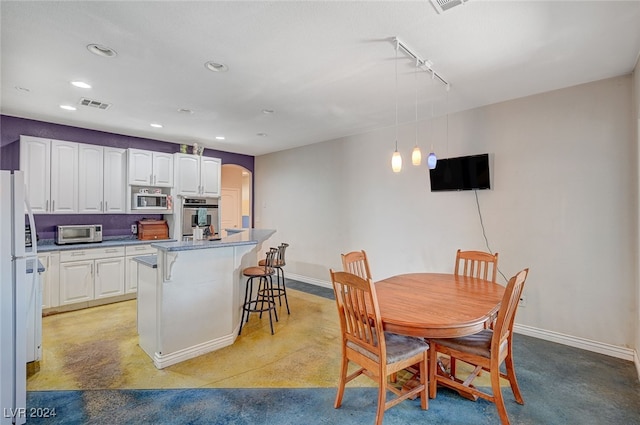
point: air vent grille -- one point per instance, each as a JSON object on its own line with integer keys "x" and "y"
{"x": 442, "y": 6}
{"x": 94, "y": 103}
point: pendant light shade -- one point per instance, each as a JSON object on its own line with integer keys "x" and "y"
{"x": 396, "y": 161}
{"x": 432, "y": 160}
{"x": 416, "y": 156}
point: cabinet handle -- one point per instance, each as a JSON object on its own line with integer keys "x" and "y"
{"x": 112, "y": 250}
{"x": 77, "y": 253}
{"x": 150, "y": 178}
{"x": 92, "y": 268}
{"x": 46, "y": 208}
{"x": 53, "y": 205}
{"x": 101, "y": 206}
{"x": 106, "y": 206}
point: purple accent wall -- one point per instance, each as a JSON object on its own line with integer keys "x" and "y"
{"x": 11, "y": 128}
{"x": 112, "y": 224}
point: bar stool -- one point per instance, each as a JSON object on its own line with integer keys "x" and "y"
{"x": 264, "y": 299}
{"x": 279, "y": 289}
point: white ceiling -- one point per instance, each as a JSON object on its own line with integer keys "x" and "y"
{"x": 326, "y": 68}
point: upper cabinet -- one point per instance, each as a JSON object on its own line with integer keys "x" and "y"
{"x": 102, "y": 179}
{"x": 147, "y": 168}
{"x": 67, "y": 177}
{"x": 51, "y": 174}
{"x": 197, "y": 175}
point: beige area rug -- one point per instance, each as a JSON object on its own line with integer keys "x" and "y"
{"x": 97, "y": 348}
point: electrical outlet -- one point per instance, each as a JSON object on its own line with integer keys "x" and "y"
{"x": 523, "y": 301}
{"x": 134, "y": 229}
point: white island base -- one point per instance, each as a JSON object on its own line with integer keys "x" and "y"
{"x": 189, "y": 303}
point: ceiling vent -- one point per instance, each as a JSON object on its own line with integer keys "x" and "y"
{"x": 442, "y": 6}
{"x": 94, "y": 103}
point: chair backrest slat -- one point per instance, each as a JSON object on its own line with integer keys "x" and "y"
{"x": 358, "y": 310}
{"x": 356, "y": 262}
{"x": 479, "y": 264}
{"x": 503, "y": 326}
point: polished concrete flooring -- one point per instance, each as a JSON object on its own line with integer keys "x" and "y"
{"x": 92, "y": 371}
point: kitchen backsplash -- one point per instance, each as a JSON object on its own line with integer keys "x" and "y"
{"x": 112, "y": 224}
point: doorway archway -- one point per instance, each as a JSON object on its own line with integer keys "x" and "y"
{"x": 236, "y": 197}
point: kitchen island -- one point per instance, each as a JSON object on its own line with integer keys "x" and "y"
{"x": 190, "y": 295}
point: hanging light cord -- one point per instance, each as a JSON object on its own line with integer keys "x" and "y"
{"x": 415, "y": 74}
{"x": 397, "y": 46}
{"x": 486, "y": 241}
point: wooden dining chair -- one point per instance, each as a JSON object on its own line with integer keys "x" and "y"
{"x": 356, "y": 262}
{"x": 362, "y": 344}
{"x": 486, "y": 350}
{"x": 483, "y": 265}
{"x": 480, "y": 264}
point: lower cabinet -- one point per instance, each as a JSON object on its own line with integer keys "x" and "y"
{"x": 90, "y": 274}
{"x": 49, "y": 279}
{"x": 131, "y": 284}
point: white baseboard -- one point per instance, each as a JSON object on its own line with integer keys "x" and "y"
{"x": 161, "y": 361}
{"x": 572, "y": 341}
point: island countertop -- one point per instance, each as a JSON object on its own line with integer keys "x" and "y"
{"x": 234, "y": 237}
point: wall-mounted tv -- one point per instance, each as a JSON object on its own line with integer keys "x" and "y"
{"x": 461, "y": 173}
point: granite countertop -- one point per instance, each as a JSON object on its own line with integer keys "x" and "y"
{"x": 234, "y": 237}
{"x": 147, "y": 260}
{"x": 48, "y": 245}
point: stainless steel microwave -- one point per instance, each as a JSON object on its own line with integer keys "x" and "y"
{"x": 83, "y": 233}
{"x": 150, "y": 201}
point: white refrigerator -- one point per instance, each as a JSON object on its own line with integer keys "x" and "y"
{"x": 14, "y": 296}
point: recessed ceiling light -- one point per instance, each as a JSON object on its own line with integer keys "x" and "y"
{"x": 268, "y": 111}
{"x": 261, "y": 134}
{"x": 81, "y": 84}
{"x": 68, "y": 107}
{"x": 185, "y": 111}
{"x": 219, "y": 137}
{"x": 100, "y": 50}
{"x": 216, "y": 67}
{"x": 24, "y": 89}
{"x": 155, "y": 125}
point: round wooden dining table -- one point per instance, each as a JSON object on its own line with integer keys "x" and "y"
{"x": 437, "y": 305}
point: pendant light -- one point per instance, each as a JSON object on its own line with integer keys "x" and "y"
{"x": 432, "y": 159}
{"x": 396, "y": 159}
{"x": 416, "y": 155}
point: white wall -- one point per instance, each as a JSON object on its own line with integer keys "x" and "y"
{"x": 563, "y": 203}
{"x": 636, "y": 103}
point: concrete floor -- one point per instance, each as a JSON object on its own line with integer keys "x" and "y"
{"x": 93, "y": 371}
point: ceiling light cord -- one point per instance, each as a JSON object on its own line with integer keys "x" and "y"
{"x": 396, "y": 158}
{"x": 416, "y": 155}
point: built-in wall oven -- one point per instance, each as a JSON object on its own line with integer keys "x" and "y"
{"x": 202, "y": 213}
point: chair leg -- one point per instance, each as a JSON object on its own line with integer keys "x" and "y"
{"x": 382, "y": 399}
{"x": 511, "y": 375}
{"x": 342, "y": 382}
{"x": 284, "y": 289}
{"x": 497, "y": 397}
{"x": 424, "y": 398}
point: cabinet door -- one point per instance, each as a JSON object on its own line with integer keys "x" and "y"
{"x": 76, "y": 281}
{"x": 140, "y": 167}
{"x": 131, "y": 270}
{"x": 35, "y": 161}
{"x": 188, "y": 174}
{"x": 90, "y": 178}
{"x": 64, "y": 177}
{"x": 210, "y": 176}
{"x": 162, "y": 169}
{"x": 109, "y": 277}
{"x": 45, "y": 283}
{"x": 115, "y": 185}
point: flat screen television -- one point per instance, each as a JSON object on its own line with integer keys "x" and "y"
{"x": 461, "y": 173}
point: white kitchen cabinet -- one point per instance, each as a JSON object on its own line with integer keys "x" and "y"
{"x": 76, "y": 281}
{"x": 50, "y": 279}
{"x": 51, "y": 174}
{"x": 109, "y": 277}
{"x": 198, "y": 175}
{"x": 35, "y": 161}
{"x": 90, "y": 274}
{"x": 131, "y": 267}
{"x": 64, "y": 177}
{"x": 147, "y": 168}
{"x": 115, "y": 184}
{"x": 90, "y": 179}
